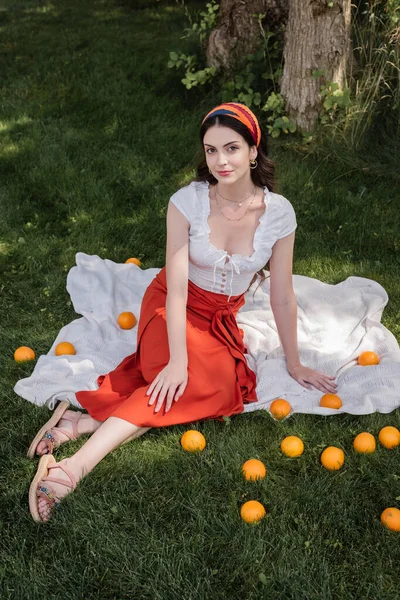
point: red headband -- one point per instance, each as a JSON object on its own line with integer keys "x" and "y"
{"x": 240, "y": 112}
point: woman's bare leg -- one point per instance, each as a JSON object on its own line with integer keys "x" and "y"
{"x": 111, "y": 434}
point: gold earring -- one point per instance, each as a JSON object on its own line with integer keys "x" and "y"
{"x": 253, "y": 164}
{"x": 211, "y": 173}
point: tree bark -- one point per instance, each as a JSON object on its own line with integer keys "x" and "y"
{"x": 238, "y": 34}
{"x": 317, "y": 37}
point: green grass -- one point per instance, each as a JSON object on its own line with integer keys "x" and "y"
{"x": 95, "y": 135}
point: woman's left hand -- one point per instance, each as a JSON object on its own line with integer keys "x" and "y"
{"x": 322, "y": 382}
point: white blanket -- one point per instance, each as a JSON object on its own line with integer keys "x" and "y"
{"x": 335, "y": 324}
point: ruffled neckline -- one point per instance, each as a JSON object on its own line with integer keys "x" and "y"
{"x": 257, "y": 234}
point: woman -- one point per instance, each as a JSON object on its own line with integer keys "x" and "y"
{"x": 189, "y": 364}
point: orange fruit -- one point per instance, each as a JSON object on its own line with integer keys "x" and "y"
{"x": 364, "y": 443}
{"x": 253, "y": 469}
{"x": 65, "y": 348}
{"x": 332, "y": 458}
{"x": 292, "y": 446}
{"x": 127, "y": 320}
{"x": 368, "y": 358}
{"x": 280, "y": 408}
{"x": 389, "y": 437}
{"x": 252, "y": 511}
{"x": 330, "y": 401}
{"x": 390, "y": 518}
{"x": 24, "y": 353}
{"x": 193, "y": 441}
{"x": 134, "y": 261}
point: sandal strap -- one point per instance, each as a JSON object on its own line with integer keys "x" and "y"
{"x": 69, "y": 435}
{"x": 57, "y": 480}
{"x": 49, "y": 438}
{"x": 64, "y": 468}
{"x": 74, "y": 418}
{"x": 48, "y": 494}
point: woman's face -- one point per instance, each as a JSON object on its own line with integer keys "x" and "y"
{"x": 227, "y": 153}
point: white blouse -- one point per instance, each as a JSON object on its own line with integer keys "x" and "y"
{"x": 208, "y": 265}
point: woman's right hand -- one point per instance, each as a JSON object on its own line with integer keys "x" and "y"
{"x": 169, "y": 385}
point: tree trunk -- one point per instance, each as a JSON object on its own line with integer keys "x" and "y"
{"x": 317, "y": 37}
{"x": 238, "y": 33}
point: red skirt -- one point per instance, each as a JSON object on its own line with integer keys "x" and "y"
{"x": 219, "y": 378}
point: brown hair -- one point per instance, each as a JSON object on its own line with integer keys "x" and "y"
{"x": 262, "y": 175}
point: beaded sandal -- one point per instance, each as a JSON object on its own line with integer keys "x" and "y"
{"x": 46, "y": 433}
{"x": 40, "y": 489}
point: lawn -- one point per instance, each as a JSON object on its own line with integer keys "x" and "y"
{"x": 95, "y": 136}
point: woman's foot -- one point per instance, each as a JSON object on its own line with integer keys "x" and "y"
{"x": 64, "y": 425}
{"x": 71, "y": 426}
{"x": 51, "y": 483}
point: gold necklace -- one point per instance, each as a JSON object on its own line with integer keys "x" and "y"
{"x": 235, "y": 201}
{"x": 228, "y": 218}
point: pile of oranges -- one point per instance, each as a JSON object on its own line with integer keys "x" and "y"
{"x": 332, "y": 458}
{"x": 126, "y": 320}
